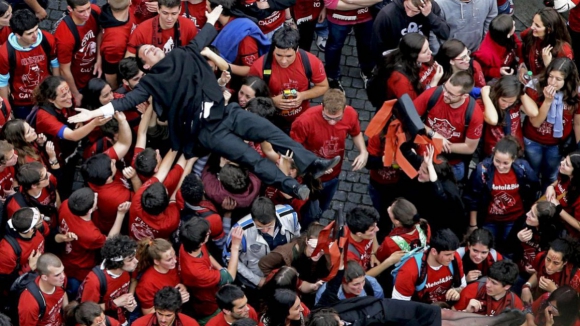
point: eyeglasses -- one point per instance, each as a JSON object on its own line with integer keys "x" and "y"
{"x": 335, "y": 119}
{"x": 464, "y": 57}
{"x": 449, "y": 93}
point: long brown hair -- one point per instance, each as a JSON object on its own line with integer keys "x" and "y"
{"x": 150, "y": 250}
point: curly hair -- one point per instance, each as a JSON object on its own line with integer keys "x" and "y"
{"x": 116, "y": 249}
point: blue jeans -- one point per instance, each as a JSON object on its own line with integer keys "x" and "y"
{"x": 544, "y": 159}
{"x": 327, "y": 193}
{"x": 72, "y": 287}
{"x": 321, "y": 29}
{"x": 506, "y": 8}
{"x": 458, "y": 171}
{"x": 334, "y": 44}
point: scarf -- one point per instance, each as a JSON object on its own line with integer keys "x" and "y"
{"x": 228, "y": 40}
{"x": 556, "y": 115}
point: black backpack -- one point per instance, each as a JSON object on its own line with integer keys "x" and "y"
{"x": 102, "y": 283}
{"x": 435, "y": 97}
{"x": 267, "y": 66}
{"x": 377, "y": 87}
{"x": 7, "y": 279}
{"x": 25, "y": 282}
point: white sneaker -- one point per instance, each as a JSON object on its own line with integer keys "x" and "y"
{"x": 321, "y": 43}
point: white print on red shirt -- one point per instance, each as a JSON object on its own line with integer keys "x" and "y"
{"x": 191, "y": 17}
{"x": 444, "y": 128}
{"x": 330, "y": 148}
{"x": 54, "y": 312}
{"x": 64, "y": 229}
{"x": 32, "y": 78}
{"x": 270, "y": 19}
{"x": 141, "y": 230}
{"x": 168, "y": 45}
{"x": 88, "y": 51}
{"x": 440, "y": 291}
{"x": 387, "y": 174}
{"x": 502, "y": 200}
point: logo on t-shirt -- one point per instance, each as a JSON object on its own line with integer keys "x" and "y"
{"x": 444, "y": 128}
{"x": 64, "y": 229}
{"x": 87, "y": 53}
{"x": 503, "y": 200}
{"x": 141, "y": 230}
{"x": 330, "y": 148}
{"x": 412, "y": 28}
{"x": 168, "y": 45}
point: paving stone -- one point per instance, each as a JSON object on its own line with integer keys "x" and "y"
{"x": 364, "y": 115}
{"x": 356, "y": 103}
{"x": 354, "y": 198}
{"x": 349, "y": 145}
{"x": 345, "y": 186}
{"x": 359, "y": 188}
{"x": 346, "y": 81}
{"x": 353, "y": 177}
{"x": 340, "y": 196}
{"x": 366, "y": 200}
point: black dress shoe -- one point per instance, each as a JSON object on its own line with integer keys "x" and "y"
{"x": 301, "y": 192}
{"x": 322, "y": 165}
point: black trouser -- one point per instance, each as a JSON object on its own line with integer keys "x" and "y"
{"x": 306, "y": 30}
{"x": 227, "y": 136}
{"x": 575, "y": 36}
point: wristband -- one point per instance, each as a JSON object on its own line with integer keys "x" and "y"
{"x": 558, "y": 209}
{"x": 527, "y": 285}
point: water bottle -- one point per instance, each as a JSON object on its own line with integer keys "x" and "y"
{"x": 528, "y": 76}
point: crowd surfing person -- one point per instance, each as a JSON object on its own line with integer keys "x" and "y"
{"x": 106, "y": 220}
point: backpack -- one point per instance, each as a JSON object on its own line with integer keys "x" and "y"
{"x": 405, "y": 246}
{"x": 26, "y": 281}
{"x": 74, "y": 31}
{"x": 12, "y": 58}
{"x": 418, "y": 254}
{"x": 267, "y": 66}
{"x": 102, "y": 282}
{"x": 435, "y": 97}
{"x": 377, "y": 86}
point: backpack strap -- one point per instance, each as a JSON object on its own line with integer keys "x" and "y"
{"x": 74, "y": 31}
{"x": 421, "y": 260}
{"x": 100, "y": 145}
{"x": 433, "y": 99}
{"x": 20, "y": 200}
{"x": 469, "y": 112}
{"x": 399, "y": 241}
{"x": 33, "y": 288}
{"x": 353, "y": 249}
{"x": 369, "y": 289}
{"x": 267, "y": 66}
{"x": 107, "y": 321}
{"x": 102, "y": 282}
{"x": 17, "y": 249}
{"x": 454, "y": 266}
{"x": 11, "y": 61}
{"x": 307, "y": 66}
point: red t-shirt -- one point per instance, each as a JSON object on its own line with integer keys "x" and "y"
{"x": 535, "y": 62}
{"x": 201, "y": 279}
{"x": 493, "y": 134}
{"x": 220, "y": 320}
{"x": 79, "y": 256}
{"x": 115, "y": 39}
{"x": 560, "y": 278}
{"x": 111, "y": 195}
{"x": 323, "y": 139}
{"x": 6, "y": 179}
{"x": 144, "y": 225}
{"x": 116, "y": 287}
{"x": 151, "y": 320}
{"x": 530, "y": 250}
{"x": 152, "y": 281}
{"x": 399, "y": 83}
{"x": 384, "y": 175}
{"x": 306, "y": 10}
{"x": 347, "y": 17}
{"x": 489, "y": 306}
{"x": 144, "y": 34}
{"x": 8, "y": 257}
{"x": 194, "y": 12}
{"x": 293, "y": 77}
{"x": 4, "y": 33}
{"x": 544, "y": 133}
{"x": 450, "y": 122}
{"x": 574, "y": 17}
{"x": 31, "y": 69}
{"x": 44, "y": 199}
{"x": 388, "y": 247}
{"x": 505, "y": 204}
{"x": 438, "y": 280}
{"x": 363, "y": 251}
{"x": 139, "y": 10}
{"x": 270, "y": 23}
{"x": 83, "y": 61}
{"x": 28, "y": 308}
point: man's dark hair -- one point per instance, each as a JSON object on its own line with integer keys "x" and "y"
{"x": 167, "y": 299}
{"x": 226, "y": 4}
{"x": 146, "y": 162}
{"x": 263, "y": 210}
{"x": 23, "y": 20}
{"x": 262, "y": 106}
{"x": 22, "y": 218}
{"x": 193, "y": 233}
{"x": 128, "y": 68}
{"x": 110, "y": 129}
{"x": 76, "y": 3}
{"x": 192, "y": 189}
{"x": 360, "y": 219}
{"x": 323, "y": 317}
{"x": 116, "y": 249}
{"x": 444, "y": 240}
{"x": 226, "y": 296}
{"x": 286, "y": 38}
{"x": 97, "y": 169}
{"x": 464, "y": 79}
{"x": 504, "y": 271}
{"x": 29, "y": 174}
{"x": 242, "y": 322}
{"x": 81, "y": 201}
{"x": 234, "y": 179}
{"x": 169, "y": 3}
{"x": 155, "y": 199}
{"x": 138, "y": 60}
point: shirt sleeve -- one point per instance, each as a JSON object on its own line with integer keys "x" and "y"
{"x": 4, "y": 67}
{"x": 399, "y": 84}
{"x": 466, "y": 294}
{"x": 318, "y": 73}
{"x": 64, "y": 43}
{"x": 405, "y": 280}
{"x": 27, "y": 310}
{"x": 172, "y": 179}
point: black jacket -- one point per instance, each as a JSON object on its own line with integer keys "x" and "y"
{"x": 392, "y": 23}
{"x": 180, "y": 83}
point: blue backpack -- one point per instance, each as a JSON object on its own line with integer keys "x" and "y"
{"x": 418, "y": 254}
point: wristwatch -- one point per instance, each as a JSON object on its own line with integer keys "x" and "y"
{"x": 430, "y": 133}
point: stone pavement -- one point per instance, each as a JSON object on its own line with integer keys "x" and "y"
{"x": 352, "y": 189}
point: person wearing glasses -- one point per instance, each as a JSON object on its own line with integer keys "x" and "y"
{"x": 323, "y": 129}
{"x": 447, "y": 119}
{"x": 454, "y": 56}
{"x": 559, "y": 308}
{"x": 265, "y": 228}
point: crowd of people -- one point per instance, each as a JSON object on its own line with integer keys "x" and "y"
{"x": 161, "y": 164}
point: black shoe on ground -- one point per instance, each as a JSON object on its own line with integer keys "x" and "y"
{"x": 335, "y": 83}
{"x": 322, "y": 165}
{"x": 301, "y": 192}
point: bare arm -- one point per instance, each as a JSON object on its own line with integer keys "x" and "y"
{"x": 5, "y": 92}
{"x": 143, "y": 126}
{"x": 465, "y": 148}
{"x": 542, "y": 113}
{"x": 186, "y": 171}
{"x": 123, "y": 144}
{"x": 316, "y": 91}
{"x": 165, "y": 166}
{"x": 82, "y": 132}
{"x": 240, "y": 70}
{"x": 529, "y": 107}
